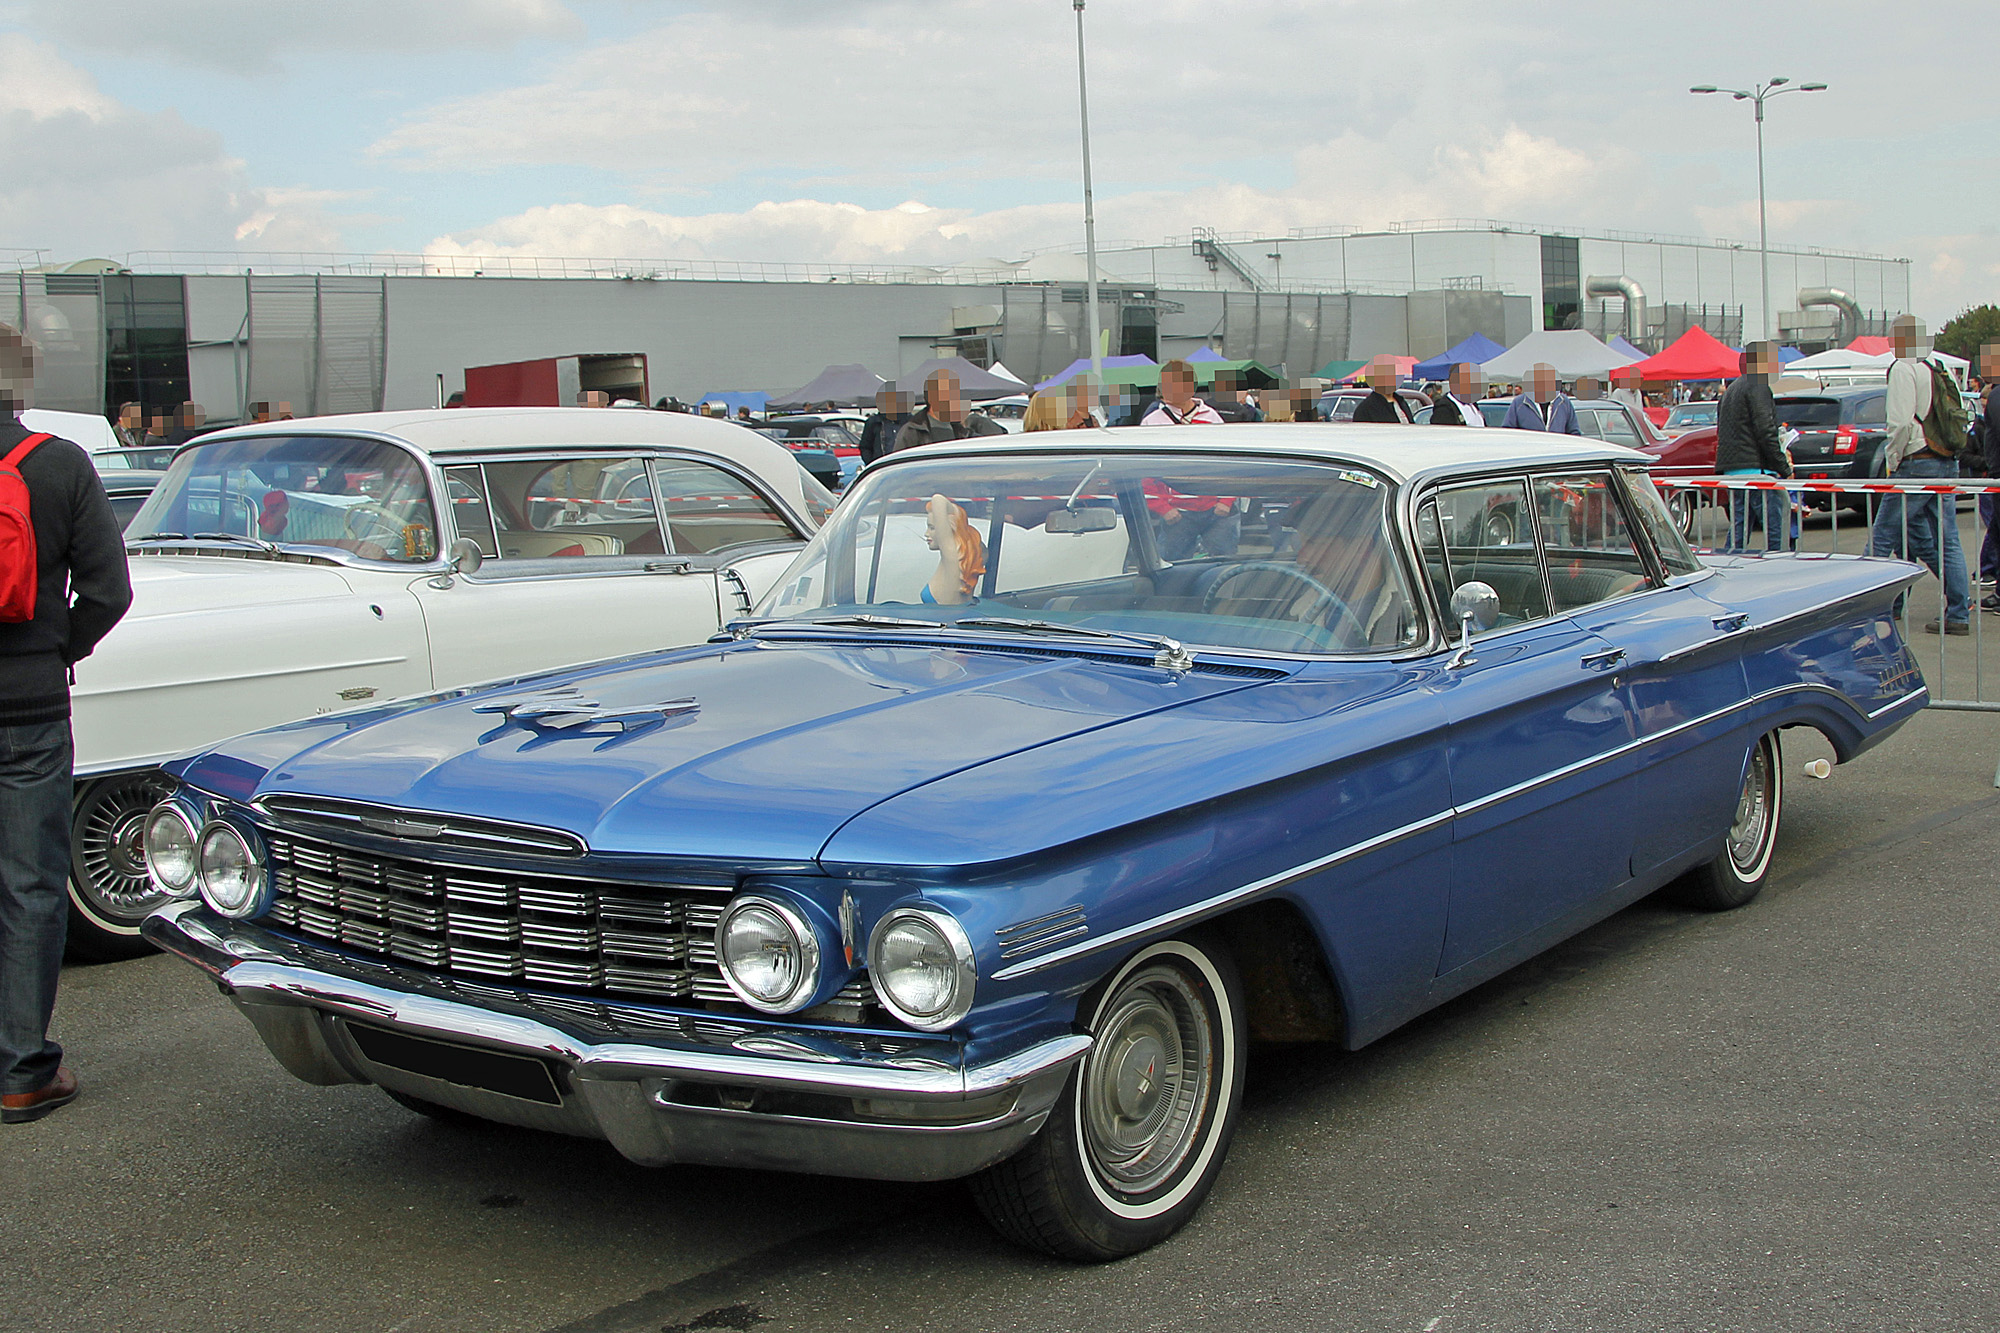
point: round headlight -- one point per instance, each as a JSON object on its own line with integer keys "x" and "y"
{"x": 170, "y": 850}
{"x": 921, "y": 966}
{"x": 769, "y": 954}
{"x": 232, "y": 874}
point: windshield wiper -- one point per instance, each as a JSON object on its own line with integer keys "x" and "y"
{"x": 269, "y": 548}
{"x": 740, "y": 628}
{"x": 162, "y": 537}
{"x": 1169, "y": 654}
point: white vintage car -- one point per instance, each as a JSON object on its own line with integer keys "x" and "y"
{"x": 296, "y": 568}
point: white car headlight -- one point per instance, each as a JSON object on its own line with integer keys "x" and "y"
{"x": 170, "y": 850}
{"x": 769, "y": 953}
{"x": 232, "y": 875}
{"x": 920, "y": 963}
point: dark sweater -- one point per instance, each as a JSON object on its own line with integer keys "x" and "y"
{"x": 1384, "y": 409}
{"x": 83, "y": 586}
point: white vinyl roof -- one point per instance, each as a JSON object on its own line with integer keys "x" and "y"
{"x": 1401, "y": 453}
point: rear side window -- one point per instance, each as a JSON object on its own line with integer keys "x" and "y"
{"x": 1871, "y": 411}
{"x": 707, "y": 509}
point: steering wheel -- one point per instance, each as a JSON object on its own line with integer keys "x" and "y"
{"x": 1325, "y": 599}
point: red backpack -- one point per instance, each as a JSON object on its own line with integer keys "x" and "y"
{"x": 17, "y": 538}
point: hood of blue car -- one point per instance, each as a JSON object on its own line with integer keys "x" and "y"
{"x": 760, "y": 750}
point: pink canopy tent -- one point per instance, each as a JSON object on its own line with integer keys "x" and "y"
{"x": 1405, "y": 366}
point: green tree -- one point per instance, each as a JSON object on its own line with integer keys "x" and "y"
{"x": 1969, "y": 332}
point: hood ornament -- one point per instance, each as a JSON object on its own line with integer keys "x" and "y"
{"x": 565, "y": 709}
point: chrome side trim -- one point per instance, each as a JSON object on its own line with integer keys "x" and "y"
{"x": 318, "y": 668}
{"x": 1210, "y": 906}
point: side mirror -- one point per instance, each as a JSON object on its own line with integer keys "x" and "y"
{"x": 465, "y": 556}
{"x": 1089, "y": 519}
{"x": 1474, "y": 607}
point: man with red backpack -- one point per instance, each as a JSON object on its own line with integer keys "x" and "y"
{"x": 63, "y": 585}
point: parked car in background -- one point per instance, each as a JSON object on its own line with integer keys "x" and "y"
{"x": 92, "y": 432}
{"x": 837, "y": 434}
{"x": 987, "y": 846}
{"x": 1616, "y": 423}
{"x": 128, "y": 489}
{"x": 1339, "y": 404}
{"x": 1683, "y": 417}
{"x": 1010, "y": 412}
{"x": 295, "y": 568}
{"x": 1840, "y": 437}
{"x": 1689, "y": 454}
{"x": 150, "y": 458}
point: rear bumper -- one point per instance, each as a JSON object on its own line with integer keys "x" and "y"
{"x": 661, "y": 1087}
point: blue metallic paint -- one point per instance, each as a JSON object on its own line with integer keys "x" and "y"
{"x": 1381, "y": 797}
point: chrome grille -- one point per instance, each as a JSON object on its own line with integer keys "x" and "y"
{"x": 609, "y": 938}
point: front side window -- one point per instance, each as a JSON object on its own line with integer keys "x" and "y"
{"x": 361, "y": 496}
{"x": 1251, "y": 553}
{"x": 1591, "y": 554}
{"x": 1659, "y": 524}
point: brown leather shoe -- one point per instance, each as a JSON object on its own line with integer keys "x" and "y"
{"x": 18, "y": 1108}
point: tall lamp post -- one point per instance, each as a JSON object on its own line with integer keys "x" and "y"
{"x": 1089, "y": 216}
{"x": 1756, "y": 95}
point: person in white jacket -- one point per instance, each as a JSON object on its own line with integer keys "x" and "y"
{"x": 1920, "y": 527}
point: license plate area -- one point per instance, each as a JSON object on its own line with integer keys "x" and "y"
{"x": 519, "y": 1076}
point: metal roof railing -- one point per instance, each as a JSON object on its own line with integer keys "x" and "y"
{"x": 431, "y": 265}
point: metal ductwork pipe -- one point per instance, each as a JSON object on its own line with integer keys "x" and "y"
{"x": 1849, "y": 325}
{"x": 1635, "y": 301}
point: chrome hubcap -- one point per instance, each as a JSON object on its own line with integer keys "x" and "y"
{"x": 111, "y": 848}
{"x": 1147, "y": 1082}
{"x": 1753, "y": 813}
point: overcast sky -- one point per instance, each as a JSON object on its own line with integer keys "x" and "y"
{"x": 868, "y": 131}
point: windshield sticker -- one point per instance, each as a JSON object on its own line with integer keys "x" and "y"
{"x": 1367, "y": 479}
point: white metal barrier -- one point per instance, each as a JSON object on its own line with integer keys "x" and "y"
{"x": 1824, "y": 518}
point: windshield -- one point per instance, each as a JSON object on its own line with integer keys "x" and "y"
{"x": 311, "y": 490}
{"x": 1692, "y": 414}
{"x": 1284, "y": 557}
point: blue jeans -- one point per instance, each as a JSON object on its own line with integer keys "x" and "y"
{"x": 1773, "y": 509}
{"x": 1219, "y": 534}
{"x": 35, "y": 786}
{"x": 1919, "y": 516}
{"x": 1989, "y": 547}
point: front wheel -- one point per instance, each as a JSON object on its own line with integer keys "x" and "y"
{"x": 109, "y": 893}
{"x": 1138, "y": 1137}
{"x": 1737, "y": 875}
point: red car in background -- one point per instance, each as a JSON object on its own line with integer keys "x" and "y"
{"x": 1689, "y": 455}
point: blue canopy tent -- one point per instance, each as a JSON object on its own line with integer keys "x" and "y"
{"x": 1619, "y": 344}
{"x": 735, "y": 398}
{"x": 1790, "y": 354}
{"x": 1474, "y": 350}
{"x": 1203, "y": 353}
{"x": 1081, "y": 366}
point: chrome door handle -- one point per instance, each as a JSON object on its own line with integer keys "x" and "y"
{"x": 1731, "y": 623}
{"x": 1609, "y": 658}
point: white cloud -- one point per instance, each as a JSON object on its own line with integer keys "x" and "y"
{"x": 87, "y": 175}
{"x": 236, "y": 32}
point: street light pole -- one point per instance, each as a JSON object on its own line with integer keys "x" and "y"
{"x": 1757, "y": 95}
{"x": 1089, "y": 216}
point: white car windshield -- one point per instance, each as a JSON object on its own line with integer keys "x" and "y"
{"x": 1242, "y": 553}
{"x": 361, "y": 496}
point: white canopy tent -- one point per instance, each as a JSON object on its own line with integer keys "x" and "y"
{"x": 1572, "y": 352}
{"x": 1838, "y": 358}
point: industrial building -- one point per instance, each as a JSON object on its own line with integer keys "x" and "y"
{"x": 335, "y": 333}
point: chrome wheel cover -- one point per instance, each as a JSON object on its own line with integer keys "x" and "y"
{"x": 1752, "y": 826}
{"x": 1148, "y": 1081}
{"x": 109, "y": 860}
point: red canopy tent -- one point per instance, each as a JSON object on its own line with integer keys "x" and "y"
{"x": 1695, "y": 355}
{"x": 1870, "y": 344}
{"x": 1404, "y": 365}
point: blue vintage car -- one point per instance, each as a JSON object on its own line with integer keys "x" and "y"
{"x": 1056, "y": 770}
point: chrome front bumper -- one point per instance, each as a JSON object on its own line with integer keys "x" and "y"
{"x": 661, "y": 1087}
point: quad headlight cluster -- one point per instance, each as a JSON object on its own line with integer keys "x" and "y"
{"x": 773, "y": 952}
{"x": 222, "y": 862}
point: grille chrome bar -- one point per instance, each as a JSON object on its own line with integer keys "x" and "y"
{"x": 326, "y": 814}
{"x": 542, "y": 931}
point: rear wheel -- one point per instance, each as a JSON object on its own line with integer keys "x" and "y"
{"x": 1139, "y": 1135}
{"x": 109, "y": 893}
{"x": 1737, "y": 875}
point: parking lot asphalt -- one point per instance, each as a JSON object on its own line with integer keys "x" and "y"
{"x": 1774, "y": 1119}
